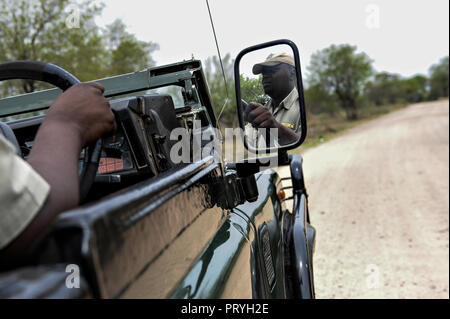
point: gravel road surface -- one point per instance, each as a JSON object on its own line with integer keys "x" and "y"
{"x": 379, "y": 199}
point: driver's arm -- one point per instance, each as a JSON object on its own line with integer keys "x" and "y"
{"x": 261, "y": 117}
{"x": 77, "y": 118}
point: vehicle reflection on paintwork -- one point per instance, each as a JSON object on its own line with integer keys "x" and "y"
{"x": 238, "y": 283}
{"x": 139, "y": 245}
{"x": 127, "y": 241}
{"x": 159, "y": 278}
{"x": 211, "y": 271}
{"x": 224, "y": 268}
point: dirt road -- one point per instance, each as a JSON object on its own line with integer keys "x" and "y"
{"x": 379, "y": 199}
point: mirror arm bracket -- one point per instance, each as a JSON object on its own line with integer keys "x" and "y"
{"x": 296, "y": 168}
{"x": 251, "y": 166}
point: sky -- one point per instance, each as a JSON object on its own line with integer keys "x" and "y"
{"x": 400, "y": 36}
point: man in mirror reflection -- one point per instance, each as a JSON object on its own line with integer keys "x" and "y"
{"x": 282, "y": 111}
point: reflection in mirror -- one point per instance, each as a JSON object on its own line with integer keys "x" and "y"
{"x": 270, "y": 99}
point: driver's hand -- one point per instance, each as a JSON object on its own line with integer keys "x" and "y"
{"x": 259, "y": 116}
{"x": 83, "y": 108}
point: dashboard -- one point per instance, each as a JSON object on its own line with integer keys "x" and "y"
{"x": 140, "y": 147}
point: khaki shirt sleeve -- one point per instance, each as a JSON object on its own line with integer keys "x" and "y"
{"x": 22, "y": 193}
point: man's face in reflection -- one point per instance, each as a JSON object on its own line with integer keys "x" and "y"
{"x": 277, "y": 80}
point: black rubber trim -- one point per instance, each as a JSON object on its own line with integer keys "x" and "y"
{"x": 38, "y": 71}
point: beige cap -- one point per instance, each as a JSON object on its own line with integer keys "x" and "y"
{"x": 274, "y": 59}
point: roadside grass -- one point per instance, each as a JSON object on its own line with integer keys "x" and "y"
{"x": 324, "y": 127}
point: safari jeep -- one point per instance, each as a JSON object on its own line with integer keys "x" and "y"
{"x": 150, "y": 226}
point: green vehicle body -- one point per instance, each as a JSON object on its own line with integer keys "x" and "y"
{"x": 188, "y": 232}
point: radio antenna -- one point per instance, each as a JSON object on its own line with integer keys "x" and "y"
{"x": 220, "y": 60}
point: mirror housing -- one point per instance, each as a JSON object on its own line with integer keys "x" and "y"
{"x": 240, "y": 104}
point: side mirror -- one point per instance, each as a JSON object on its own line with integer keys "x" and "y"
{"x": 269, "y": 95}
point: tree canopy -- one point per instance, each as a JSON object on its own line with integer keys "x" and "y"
{"x": 39, "y": 30}
{"x": 439, "y": 79}
{"x": 340, "y": 70}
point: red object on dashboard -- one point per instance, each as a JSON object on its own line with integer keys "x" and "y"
{"x": 109, "y": 165}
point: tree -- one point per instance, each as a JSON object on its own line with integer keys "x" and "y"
{"x": 218, "y": 89}
{"x": 387, "y": 88}
{"x": 384, "y": 89}
{"x": 252, "y": 90}
{"x": 38, "y": 30}
{"x": 414, "y": 89}
{"x": 341, "y": 71}
{"x": 319, "y": 100}
{"x": 439, "y": 79}
{"x": 127, "y": 53}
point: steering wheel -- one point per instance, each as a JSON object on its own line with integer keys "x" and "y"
{"x": 53, "y": 74}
